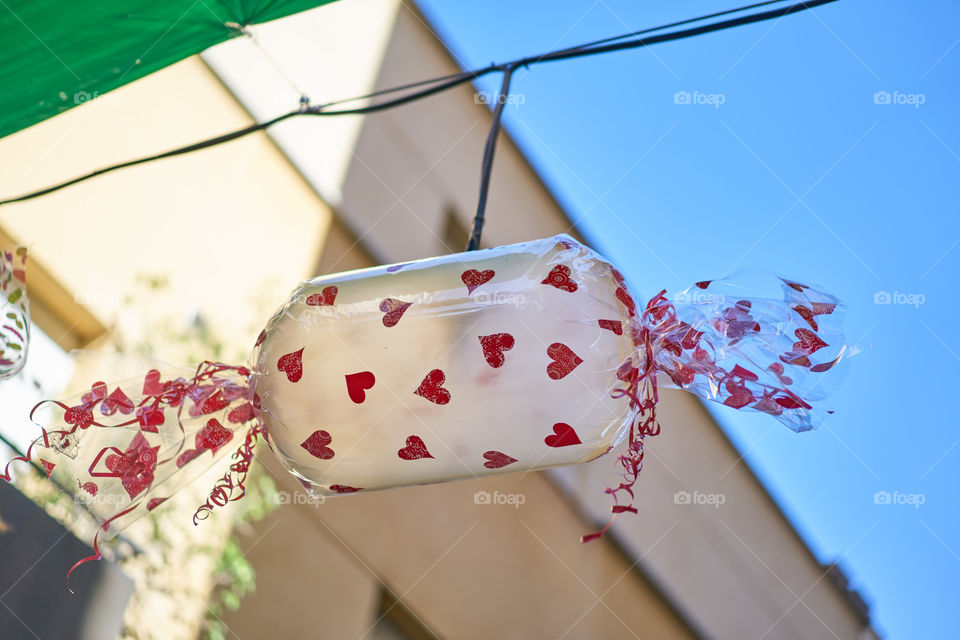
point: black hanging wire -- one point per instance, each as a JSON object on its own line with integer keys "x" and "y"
{"x": 487, "y": 167}
{"x": 436, "y": 85}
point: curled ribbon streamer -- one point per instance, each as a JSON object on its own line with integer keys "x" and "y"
{"x": 15, "y": 310}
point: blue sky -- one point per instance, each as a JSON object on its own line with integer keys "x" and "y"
{"x": 803, "y": 170}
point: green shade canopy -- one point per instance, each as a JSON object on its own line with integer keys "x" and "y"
{"x": 56, "y": 54}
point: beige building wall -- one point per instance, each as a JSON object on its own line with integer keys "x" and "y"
{"x": 234, "y": 228}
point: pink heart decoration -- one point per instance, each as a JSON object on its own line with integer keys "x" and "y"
{"x": 414, "y": 450}
{"x": 563, "y": 436}
{"x": 493, "y": 347}
{"x": 431, "y": 388}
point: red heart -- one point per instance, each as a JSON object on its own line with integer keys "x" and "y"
{"x": 414, "y": 450}
{"x": 292, "y": 365}
{"x": 323, "y": 299}
{"x": 559, "y": 277}
{"x": 316, "y": 445}
{"x": 153, "y": 503}
{"x": 151, "y": 383}
{"x": 493, "y": 347}
{"x": 149, "y": 417}
{"x": 496, "y": 460}
{"x": 342, "y": 488}
{"x": 358, "y": 383}
{"x": 564, "y": 360}
{"x": 213, "y": 436}
{"x": 739, "y": 397}
{"x": 393, "y": 310}
{"x": 473, "y": 278}
{"x": 431, "y": 388}
{"x": 563, "y": 436}
{"x": 611, "y": 325}
{"x": 243, "y": 413}
{"x": 117, "y": 401}
{"x": 626, "y": 299}
{"x": 809, "y": 342}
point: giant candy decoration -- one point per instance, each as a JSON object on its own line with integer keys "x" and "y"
{"x": 508, "y": 359}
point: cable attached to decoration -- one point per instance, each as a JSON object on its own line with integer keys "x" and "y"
{"x": 487, "y": 167}
{"x": 442, "y": 83}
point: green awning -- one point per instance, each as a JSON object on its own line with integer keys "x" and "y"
{"x": 57, "y": 54}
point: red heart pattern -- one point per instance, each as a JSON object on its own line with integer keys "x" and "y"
{"x": 292, "y": 365}
{"x": 325, "y": 298}
{"x": 432, "y": 388}
{"x": 493, "y": 347}
{"x": 415, "y": 449}
{"x": 564, "y": 361}
{"x": 563, "y": 436}
{"x": 497, "y": 459}
{"x": 473, "y": 278}
{"x": 316, "y": 445}
{"x": 393, "y": 310}
{"x": 559, "y": 277}
{"x": 358, "y": 383}
{"x": 611, "y": 325}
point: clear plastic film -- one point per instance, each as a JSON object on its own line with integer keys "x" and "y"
{"x": 15, "y": 310}
{"x": 515, "y": 358}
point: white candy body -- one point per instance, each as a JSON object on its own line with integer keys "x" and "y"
{"x": 335, "y": 430}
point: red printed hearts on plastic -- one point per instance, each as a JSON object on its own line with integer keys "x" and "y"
{"x": 564, "y": 360}
{"x": 473, "y": 278}
{"x": 316, "y": 445}
{"x": 497, "y": 460}
{"x": 559, "y": 277}
{"x": 292, "y": 365}
{"x": 611, "y": 325}
{"x": 493, "y": 347}
{"x": 325, "y": 298}
{"x": 342, "y": 488}
{"x": 393, "y": 310}
{"x": 414, "y": 450}
{"x": 563, "y": 436}
{"x": 431, "y": 388}
{"x": 358, "y": 383}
